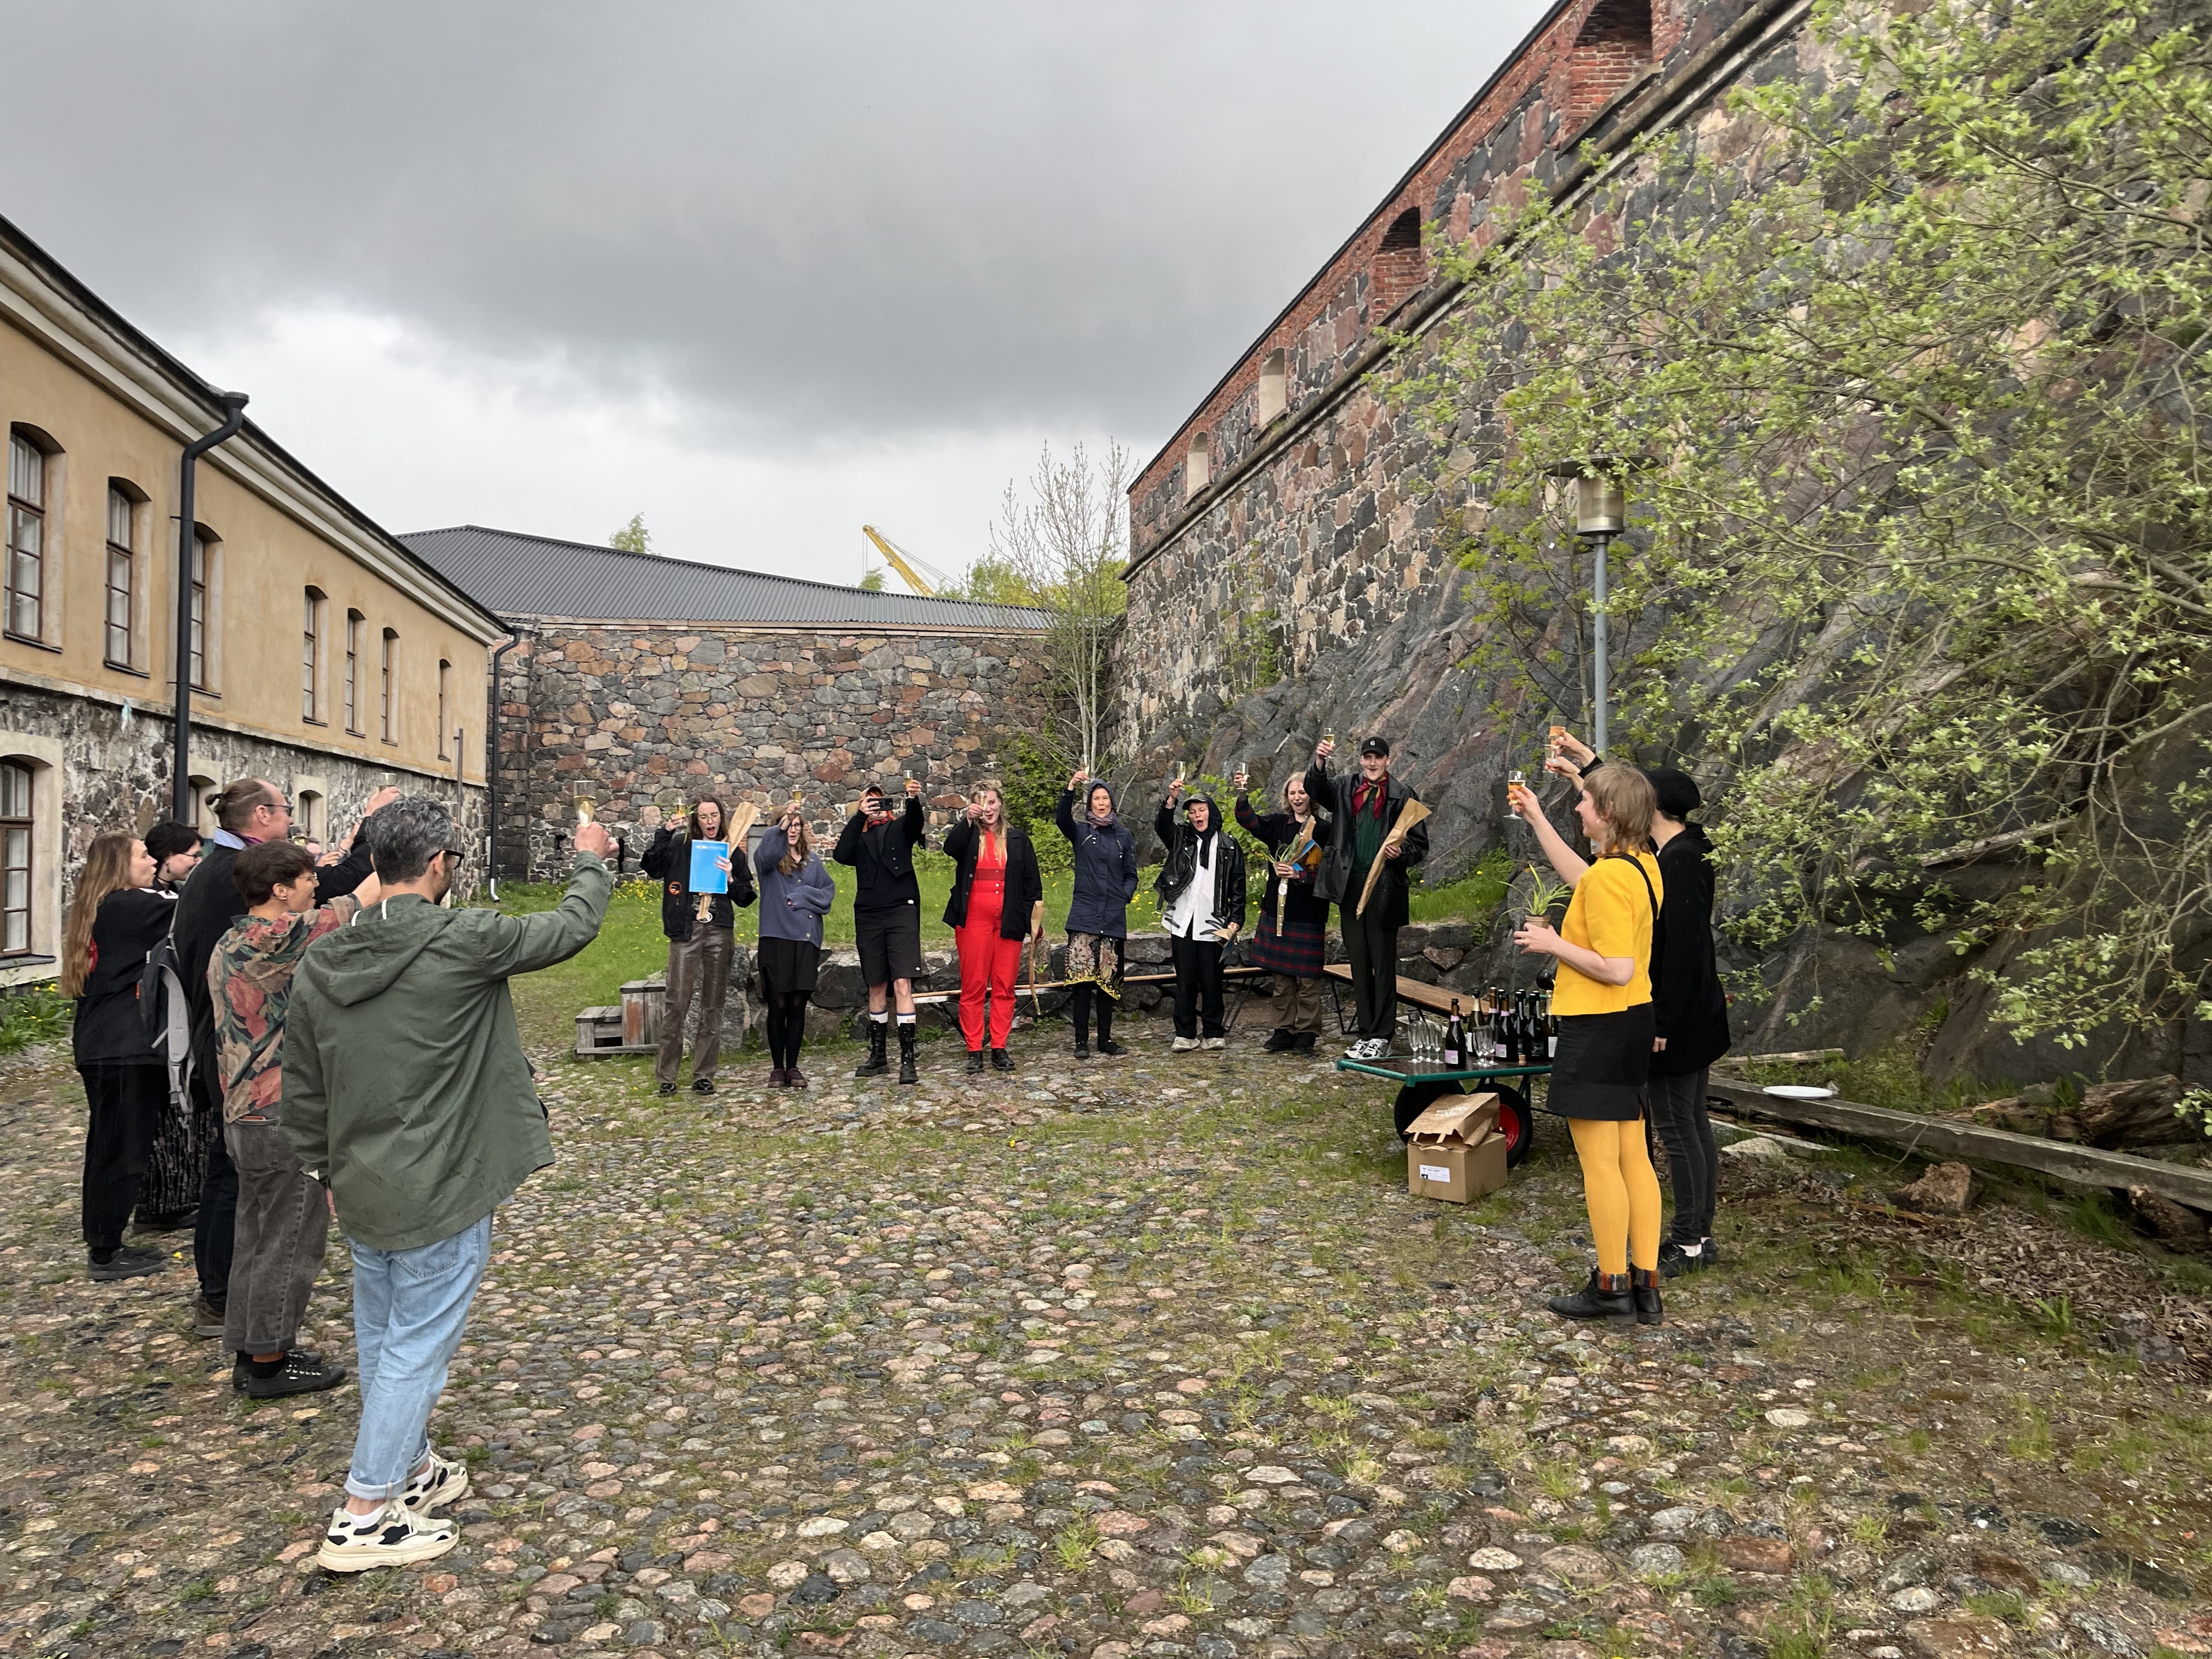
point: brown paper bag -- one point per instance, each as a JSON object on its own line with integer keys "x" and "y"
{"x": 1412, "y": 813}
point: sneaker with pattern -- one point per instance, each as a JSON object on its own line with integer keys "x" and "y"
{"x": 394, "y": 1536}
{"x": 440, "y": 1481}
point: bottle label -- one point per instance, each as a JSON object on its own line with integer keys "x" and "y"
{"x": 1451, "y": 1056}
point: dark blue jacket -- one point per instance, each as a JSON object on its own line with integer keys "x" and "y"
{"x": 1105, "y": 871}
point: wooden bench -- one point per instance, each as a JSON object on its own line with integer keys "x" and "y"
{"x": 1242, "y": 978}
{"x": 1436, "y": 999}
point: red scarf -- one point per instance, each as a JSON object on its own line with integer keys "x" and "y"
{"x": 1378, "y": 791}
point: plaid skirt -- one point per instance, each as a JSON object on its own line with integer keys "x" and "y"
{"x": 1297, "y": 950}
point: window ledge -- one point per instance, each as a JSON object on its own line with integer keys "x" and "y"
{"x": 14, "y": 638}
{"x": 125, "y": 668}
{"x": 309, "y": 719}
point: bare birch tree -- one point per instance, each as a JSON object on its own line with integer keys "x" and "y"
{"x": 1068, "y": 541}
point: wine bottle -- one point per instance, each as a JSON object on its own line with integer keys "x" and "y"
{"x": 1551, "y": 1028}
{"x": 1509, "y": 1028}
{"x": 1454, "y": 1040}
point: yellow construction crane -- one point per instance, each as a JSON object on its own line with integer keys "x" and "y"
{"x": 911, "y": 566}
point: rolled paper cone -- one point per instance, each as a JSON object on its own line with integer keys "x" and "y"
{"x": 743, "y": 820}
{"x": 1414, "y": 813}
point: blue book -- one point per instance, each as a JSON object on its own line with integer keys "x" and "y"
{"x": 706, "y": 875}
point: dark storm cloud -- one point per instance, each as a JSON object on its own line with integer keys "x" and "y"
{"x": 805, "y": 220}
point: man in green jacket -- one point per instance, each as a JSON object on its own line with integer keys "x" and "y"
{"x": 407, "y": 1095}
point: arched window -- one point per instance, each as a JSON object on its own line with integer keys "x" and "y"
{"x": 1274, "y": 391}
{"x": 444, "y": 707}
{"x": 308, "y": 810}
{"x": 205, "y": 790}
{"x": 1197, "y": 469}
{"x": 355, "y": 623}
{"x": 1400, "y": 269}
{"x": 1612, "y": 50}
{"x": 310, "y": 656}
{"x": 389, "y": 694}
{"x": 16, "y": 827}
{"x": 31, "y": 488}
{"x": 126, "y": 510}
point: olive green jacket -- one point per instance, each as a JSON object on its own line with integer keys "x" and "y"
{"x": 406, "y": 1091}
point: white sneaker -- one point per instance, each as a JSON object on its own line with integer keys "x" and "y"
{"x": 395, "y": 1536}
{"x": 1215, "y": 1043}
{"x": 1183, "y": 1045}
{"x": 1358, "y": 1050}
{"x": 443, "y": 1481}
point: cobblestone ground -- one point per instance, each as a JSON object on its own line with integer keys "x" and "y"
{"x": 1150, "y": 1355}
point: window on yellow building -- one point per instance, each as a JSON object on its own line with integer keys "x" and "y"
{"x": 311, "y": 657}
{"x": 25, "y": 601}
{"x": 207, "y": 557}
{"x": 121, "y": 616}
{"x": 391, "y": 700}
{"x": 445, "y": 707}
{"x": 355, "y": 623}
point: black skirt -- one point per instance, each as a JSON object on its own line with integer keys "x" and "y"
{"x": 1603, "y": 1065}
{"x": 788, "y": 967}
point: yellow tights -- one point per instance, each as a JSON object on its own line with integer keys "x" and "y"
{"x": 1622, "y": 1190}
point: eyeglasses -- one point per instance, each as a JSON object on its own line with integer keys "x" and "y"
{"x": 456, "y": 853}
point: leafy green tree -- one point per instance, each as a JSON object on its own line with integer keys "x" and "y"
{"x": 872, "y": 581}
{"x": 1906, "y": 375}
{"x": 634, "y": 537}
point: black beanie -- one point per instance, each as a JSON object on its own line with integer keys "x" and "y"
{"x": 1677, "y": 792}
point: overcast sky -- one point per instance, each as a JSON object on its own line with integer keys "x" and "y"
{"x": 762, "y": 272}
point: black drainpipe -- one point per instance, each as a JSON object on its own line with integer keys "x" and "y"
{"x": 180, "y": 797}
{"x": 491, "y": 771}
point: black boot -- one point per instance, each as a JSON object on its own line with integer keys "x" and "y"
{"x": 1304, "y": 1043}
{"x": 1001, "y": 1061}
{"x": 974, "y": 1062}
{"x": 1605, "y": 1297}
{"x": 907, "y": 1073}
{"x": 1644, "y": 1286}
{"x": 1278, "y": 1040}
{"x": 875, "y": 1064}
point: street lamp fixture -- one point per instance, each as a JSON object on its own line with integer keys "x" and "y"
{"x": 1601, "y": 514}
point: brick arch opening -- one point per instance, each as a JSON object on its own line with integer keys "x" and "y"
{"x": 1401, "y": 269}
{"x": 1612, "y": 48}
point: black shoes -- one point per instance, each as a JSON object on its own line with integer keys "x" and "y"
{"x": 702, "y": 1086}
{"x": 1644, "y": 1288}
{"x": 242, "y": 1369}
{"x": 878, "y": 1039}
{"x": 1607, "y": 1296}
{"x": 907, "y": 1072}
{"x": 1278, "y": 1041}
{"x": 667, "y": 1088}
{"x": 1304, "y": 1043}
{"x": 1675, "y": 1259}
{"x": 131, "y": 1262}
{"x": 1082, "y": 1049}
{"x": 302, "y": 1373}
{"x": 974, "y": 1062}
{"x": 1001, "y": 1061}
{"x": 1107, "y": 1046}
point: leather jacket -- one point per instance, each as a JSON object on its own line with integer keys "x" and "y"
{"x": 1181, "y": 863}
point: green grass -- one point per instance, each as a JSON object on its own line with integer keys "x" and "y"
{"x": 39, "y": 1016}
{"x": 1473, "y": 898}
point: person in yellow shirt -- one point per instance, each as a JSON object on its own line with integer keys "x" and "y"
{"x": 1604, "y": 1002}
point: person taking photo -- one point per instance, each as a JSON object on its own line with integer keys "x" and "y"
{"x": 878, "y": 844}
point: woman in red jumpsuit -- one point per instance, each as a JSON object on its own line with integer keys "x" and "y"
{"x": 998, "y": 900}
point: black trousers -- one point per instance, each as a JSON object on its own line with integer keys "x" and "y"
{"x": 1080, "y": 1001}
{"x": 1693, "y": 1161}
{"x": 124, "y": 1106}
{"x": 1370, "y": 948}
{"x": 786, "y": 1027}
{"x": 218, "y": 1219}
{"x": 1197, "y": 986}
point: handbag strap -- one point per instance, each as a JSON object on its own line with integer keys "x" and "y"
{"x": 1637, "y": 865}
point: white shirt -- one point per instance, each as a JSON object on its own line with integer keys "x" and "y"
{"x": 1191, "y": 916}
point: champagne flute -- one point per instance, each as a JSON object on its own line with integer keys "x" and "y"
{"x": 585, "y": 804}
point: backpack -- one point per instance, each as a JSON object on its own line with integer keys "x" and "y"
{"x": 169, "y": 1017}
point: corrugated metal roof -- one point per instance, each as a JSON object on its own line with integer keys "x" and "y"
{"x": 520, "y": 575}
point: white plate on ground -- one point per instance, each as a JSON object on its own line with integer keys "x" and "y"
{"x": 1798, "y": 1090}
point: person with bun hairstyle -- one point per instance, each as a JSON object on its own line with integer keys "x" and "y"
{"x": 1601, "y": 1075}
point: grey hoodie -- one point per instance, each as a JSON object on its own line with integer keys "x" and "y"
{"x": 406, "y": 1091}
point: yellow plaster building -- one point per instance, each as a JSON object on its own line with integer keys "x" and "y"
{"x": 324, "y": 655}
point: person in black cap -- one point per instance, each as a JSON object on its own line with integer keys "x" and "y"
{"x": 878, "y": 843}
{"x": 1689, "y": 1008}
{"x": 1363, "y": 809}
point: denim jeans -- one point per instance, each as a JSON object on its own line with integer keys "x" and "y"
{"x": 409, "y": 1308}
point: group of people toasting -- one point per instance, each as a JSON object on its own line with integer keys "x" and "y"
{"x": 1637, "y": 999}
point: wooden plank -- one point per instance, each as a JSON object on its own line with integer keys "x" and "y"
{"x": 1939, "y": 1136}
{"x": 1436, "y": 999}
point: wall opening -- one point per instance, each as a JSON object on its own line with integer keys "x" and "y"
{"x": 1401, "y": 269}
{"x": 1612, "y": 50}
{"x": 1275, "y": 389}
{"x": 1197, "y": 469}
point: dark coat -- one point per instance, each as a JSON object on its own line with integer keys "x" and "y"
{"x": 210, "y": 903}
{"x": 1303, "y": 904}
{"x": 108, "y": 1029}
{"x": 882, "y": 858}
{"x": 1688, "y": 1007}
{"x": 668, "y": 861}
{"x": 1333, "y": 794}
{"x": 963, "y": 844}
{"x": 1105, "y": 871}
{"x": 1180, "y": 864}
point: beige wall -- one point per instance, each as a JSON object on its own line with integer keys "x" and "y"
{"x": 268, "y": 558}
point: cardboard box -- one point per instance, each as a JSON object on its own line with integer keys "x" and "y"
{"x": 1454, "y": 1150}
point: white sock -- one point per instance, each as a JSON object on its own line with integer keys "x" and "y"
{"x": 906, "y": 1019}
{"x": 879, "y": 1018}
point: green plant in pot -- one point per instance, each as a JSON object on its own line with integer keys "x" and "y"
{"x": 1545, "y": 896}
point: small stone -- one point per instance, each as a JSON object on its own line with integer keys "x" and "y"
{"x": 1469, "y": 1588}
{"x": 1656, "y": 1561}
{"x": 1916, "y": 1598}
{"x": 787, "y": 1575}
{"x": 1673, "y": 1522}
{"x": 816, "y": 1589}
{"x": 646, "y": 1633}
{"x": 1269, "y": 1573}
{"x": 1947, "y": 1189}
{"x": 758, "y": 1605}
{"x": 1491, "y": 1558}
{"x": 1744, "y": 1553}
{"x": 1577, "y": 1564}
{"x": 1269, "y": 1474}
{"x": 1402, "y": 1542}
{"x": 1966, "y": 1636}
{"x": 821, "y": 1525}
{"x": 1788, "y": 1417}
{"x": 847, "y": 1566}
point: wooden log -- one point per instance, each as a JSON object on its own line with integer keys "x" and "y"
{"x": 1942, "y": 1136}
{"x": 1795, "y": 1057}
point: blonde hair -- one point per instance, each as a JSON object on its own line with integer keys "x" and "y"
{"x": 990, "y": 787}
{"x": 107, "y": 870}
{"x": 1625, "y": 798}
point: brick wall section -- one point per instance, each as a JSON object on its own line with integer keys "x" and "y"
{"x": 645, "y": 715}
{"x": 1540, "y": 101}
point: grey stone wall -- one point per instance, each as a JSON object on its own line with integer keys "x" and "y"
{"x": 643, "y": 718}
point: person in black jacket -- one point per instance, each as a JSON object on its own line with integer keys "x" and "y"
{"x": 998, "y": 900}
{"x": 1689, "y": 1022}
{"x": 702, "y": 930}
{"x": 1363, "y": 809}
{"x": 878, "y": 844}
{"x": 1291, "y": 940}
{"x": 118, "y": 916}
{"x": 1201, "y": 890}
{"x": 1105, "y": 858}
